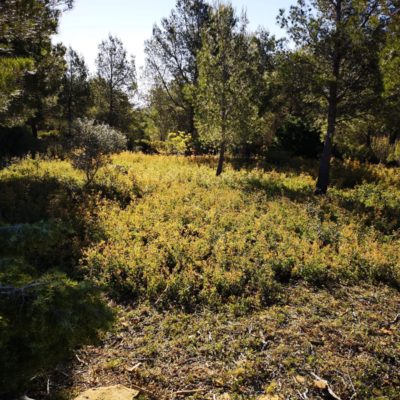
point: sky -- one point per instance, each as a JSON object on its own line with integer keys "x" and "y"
{"x": 90, "y": 21}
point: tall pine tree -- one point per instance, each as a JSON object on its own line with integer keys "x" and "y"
{"x": 227, "y": 107}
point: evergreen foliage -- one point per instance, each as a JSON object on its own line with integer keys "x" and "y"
{"x": 92, "y": 146}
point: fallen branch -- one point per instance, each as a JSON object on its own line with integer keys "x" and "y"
{"x": 303, "y": 396}
{"x": 141, "y": 389}
{"x": 186, "y": 392}
{"x": 395, "y": 321}
{"x": 323, "y": 384}
{"x": 80, "y": 360}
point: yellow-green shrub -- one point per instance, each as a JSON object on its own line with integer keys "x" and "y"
{"x": 196, "y": 239}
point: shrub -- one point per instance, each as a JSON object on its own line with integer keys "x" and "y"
{"x": 92, "y": 146}
{"x": 381, "y": 148}
{"x": 299, "y": 139}
{"x": 177, "y": 143}
{"x": 41, "y": 322}
{"x": 395, "y": 154}
{"x": 46, "y": 310}
{"x": 192, "y": 240}
{"x": 15, "y": 142}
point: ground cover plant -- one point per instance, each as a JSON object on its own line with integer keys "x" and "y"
{"x": 248, "y": 277}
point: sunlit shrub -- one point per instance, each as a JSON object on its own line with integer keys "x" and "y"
{"x": 187, "y": 239}
{"x": 381, "y": 147}
{"x": 92, "y": 146}
{"x": 192, "y": 240}
{"x": 177, "y": 143}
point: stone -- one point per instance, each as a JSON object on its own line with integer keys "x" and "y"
{"x": 117, "y": 392}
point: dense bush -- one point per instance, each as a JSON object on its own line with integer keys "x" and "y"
{"x": 41, "y": 322}
{"x": 188, "y": 239}
{"x": 46, "y": 309}
{"x": 15, "y": 142}
{"x": 164, "y": 229}
{"x": 298, "y": 138}
{"x": 92, "y": 146}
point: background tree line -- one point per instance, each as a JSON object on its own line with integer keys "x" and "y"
{"x": 330, "y": 88}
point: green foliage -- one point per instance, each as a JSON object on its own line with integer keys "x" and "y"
{"x": 75, "y": 95}
{"x": 42, "y": 322}
{"x": 381, "y": 148}
{"x": 194, "y": 240}
{"x": 227, "y": 111}
{"x": 296, "y": 137}
{"x": 33, "y": 191}
{"x": 178, "y": 143}
{"x": 340, "y": 43}
{"x": 172, "y": 65}
{"x": 116, "y": 78}
{"x": 15, "y": 142}
{"x": 92, "y": 145}
{"x": 12, "y": 71}
{"x": 46, "y": 309}
{"x": 185, "y": 240}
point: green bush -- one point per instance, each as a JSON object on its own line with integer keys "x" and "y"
{"x": 299, "y": 139}
{"x": 46, "y": 309}
{"x": 15, "y": 142}
{"x": 177, "y": 143}
{"x": 41, "y": 322}
{"x": 92, "y": 146}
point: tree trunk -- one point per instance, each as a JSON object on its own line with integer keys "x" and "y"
{"x": 324, "y": 166}
{"x": 69, "y": 117}
{"x": 111, "y": 110}
{"x": 35, "y": 137}
{"x": 193, "y": 131}
{"x": 34, "y": 130}
{"x": 221, "y": 158}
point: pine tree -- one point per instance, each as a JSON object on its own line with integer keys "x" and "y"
{"x": 227, "y": 108}
{"x": 340, "y": 40}
{"x": 116, "y": 75}
{"x": 75, "y": 95}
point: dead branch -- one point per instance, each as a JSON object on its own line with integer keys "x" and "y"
{"x": 328, "y": 390}
{"x": 143, "y": 390}
{"x": 187, "y": 392}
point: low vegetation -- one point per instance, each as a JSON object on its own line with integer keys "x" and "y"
{"x": 166, "y": 232}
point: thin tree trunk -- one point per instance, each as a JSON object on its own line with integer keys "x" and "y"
{"x": 325, "y": 161}
{"x": 35, "y": 137}
{"x": 193, "y": 131}
{"x": 111, "y": 109}
{"x": 324, "y": 166}
{"x": 69, "y": 118}
{"x": 221, "y": 158}
{"x": 34, "y": 130}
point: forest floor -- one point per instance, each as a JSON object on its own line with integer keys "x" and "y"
{"x": 348, "y": 337}
{"x": 245, "y": 286}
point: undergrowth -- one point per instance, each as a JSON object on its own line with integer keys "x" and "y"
{"x": 165, "y": 229}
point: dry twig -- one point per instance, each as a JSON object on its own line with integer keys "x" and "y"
{"x": 327, "y": 388}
